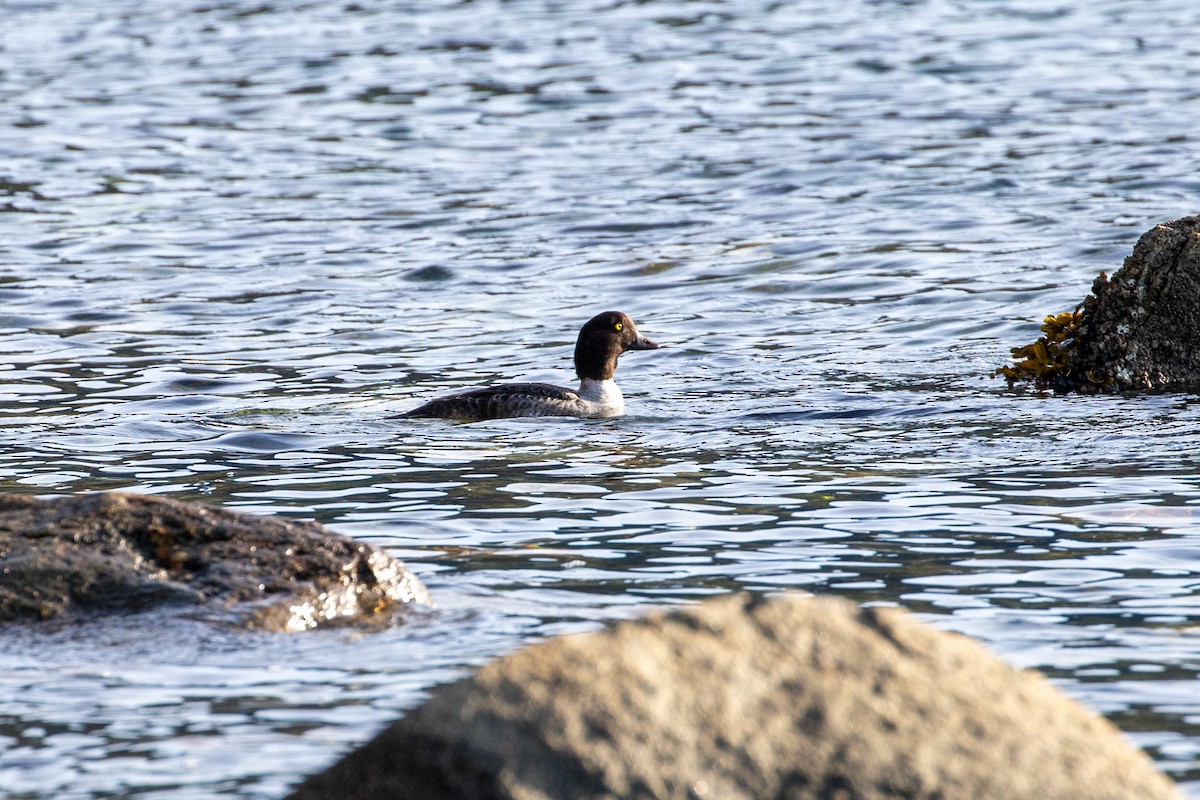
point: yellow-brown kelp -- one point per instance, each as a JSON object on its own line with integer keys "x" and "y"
{"x": 1138, "y": 330}
{"x": 1044, "y": 361}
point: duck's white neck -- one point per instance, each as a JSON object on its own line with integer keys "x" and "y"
{"x": 604, "y": 396}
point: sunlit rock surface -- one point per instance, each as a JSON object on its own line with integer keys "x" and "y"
{"x": 125, "y": 552}
{"x": 1138, "y": 330}
{"x": 748, "y": 698}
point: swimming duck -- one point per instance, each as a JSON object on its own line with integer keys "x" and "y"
{"x": 601, "y": 342}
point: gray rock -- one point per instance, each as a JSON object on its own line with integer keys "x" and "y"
{"x": 1138, "y": 330}
{"x": 741, "y": 697}
{"x": 1141, "y": 328}
{"x": 125, "y": 552}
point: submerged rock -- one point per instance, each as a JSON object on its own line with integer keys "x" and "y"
{"x": 741, "y": 697}
{"x": 127, "y": 552}
{"x": 1136, "y": 331}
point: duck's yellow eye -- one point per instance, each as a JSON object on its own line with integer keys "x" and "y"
{"x": 618, "y": 326}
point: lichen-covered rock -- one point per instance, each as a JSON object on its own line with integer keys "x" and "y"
{"x": 1138, "y": 330}
{"x": 126, "y": 552}
{"x": 741, "y": 698}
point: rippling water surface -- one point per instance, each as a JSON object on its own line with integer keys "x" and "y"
{"x": 236, "y": 238}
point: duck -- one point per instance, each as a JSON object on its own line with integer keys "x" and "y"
{"x": 602, "y": 340}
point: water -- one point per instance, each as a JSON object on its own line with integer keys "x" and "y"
{"x": 237, "y": 237}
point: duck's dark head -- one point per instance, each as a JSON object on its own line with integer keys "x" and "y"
{"x": 601, "y": 342}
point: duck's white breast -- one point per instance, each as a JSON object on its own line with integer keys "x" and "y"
{"x": 601, "y": 398}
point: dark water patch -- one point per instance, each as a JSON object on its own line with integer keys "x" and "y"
{"x": 433, "y": 273}
{"x": 256, "y": 442}
{"x": 631, "y": 227}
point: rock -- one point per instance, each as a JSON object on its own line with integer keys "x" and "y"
{"x": 126, "y": 552}
{"x": 1136, "y": 331}
{"x": 743, "y": 697}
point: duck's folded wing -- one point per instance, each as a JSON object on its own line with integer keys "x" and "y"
{"x": 505, "y": 400}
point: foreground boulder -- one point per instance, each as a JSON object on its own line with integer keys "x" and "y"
{"x": 1136, "y": 331}
{"x": 127, "y": 552}
{"x": 742, "y": 697}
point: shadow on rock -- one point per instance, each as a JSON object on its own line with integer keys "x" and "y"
{"x": 1136, "y": 331}
{"x": 123, "y": 552}
{"x": 809, "y": 699}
